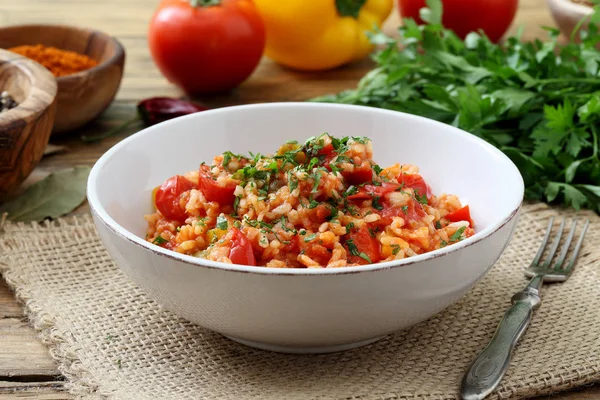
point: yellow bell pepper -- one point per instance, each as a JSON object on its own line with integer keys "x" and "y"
{"x": 316, "y": 35}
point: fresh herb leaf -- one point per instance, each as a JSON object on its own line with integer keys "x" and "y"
{"x": 395, "y": 249}
{"x": 376, "y": 204}
{"x": 221, "y": 223}
{"x": 457, "y": 235}
{"x": 537, "y": 102}
{"x": 364, "y": 257}
{"x": 310, "y": 237}
{"x": 160, "y": 240}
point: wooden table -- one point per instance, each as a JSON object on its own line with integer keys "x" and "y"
{"x": 26, "y": 369}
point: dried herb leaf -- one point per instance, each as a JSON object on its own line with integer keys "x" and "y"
{"x": 57, "y": 194}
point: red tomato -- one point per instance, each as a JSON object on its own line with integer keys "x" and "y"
{"x": 212, "y": 190}
{"x": 361, "y": 174}
{"x": 168, "y": 197}
{"x": 241, "y": 250}
{"x": 412, "y": 212}
{"x": 464, "y": 16}
{"x": 415, "y": 182}
{"x": 462, "y": 214}
{"x": 362, "y": 242}
{"x": 367, "y": 192}
{"x": 206, "y": 48}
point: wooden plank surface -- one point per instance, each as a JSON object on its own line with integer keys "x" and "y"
{"x": 26, "y": 369}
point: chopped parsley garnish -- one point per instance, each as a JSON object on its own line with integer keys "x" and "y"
{"x": 236, "y": 202}
{"x": 160, "y": 240}
{"x": 365, "y": 257}
{"x": 377, "y": 169}
{"x": 372, "y": 233}
{"x": 302, "y": 232}
{"x": 313, "y": 204}
{"x": 292, "y": 182}
{"x": 376, "y": 204}
{"x": 317, "y": 177}
{"x": 226, "y": 158}
{"x": 438, "y": 225}
{"x": 421, "y": 199}
{"x": 457, "y": 235}
{"x": 351, "y": 190}
{"x": 349, "y": 227}
{"x": 221, "y": 223}
{"x": 310, "y": 237}
{"x": 395, "y": 249}
{"x": 352, "y": 247}
{"x": 443, "y": 243}
{"x": 405, "y": 209}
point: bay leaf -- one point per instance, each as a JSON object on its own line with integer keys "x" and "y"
{"x": 58, "y": 194}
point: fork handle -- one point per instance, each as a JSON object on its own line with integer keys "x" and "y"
{"x": 489, "y": 367}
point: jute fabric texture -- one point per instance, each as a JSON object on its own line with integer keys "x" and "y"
{"x": 111, "y": 341}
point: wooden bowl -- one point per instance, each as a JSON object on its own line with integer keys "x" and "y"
{"x": 84, "y": 95}
{"x": 25, "y": 129}
{"x": 567, "y": 14}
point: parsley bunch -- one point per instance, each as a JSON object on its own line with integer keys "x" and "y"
{"x": 538, "y": 102}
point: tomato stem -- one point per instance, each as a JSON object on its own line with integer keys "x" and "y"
{"x": 205, "y": 3}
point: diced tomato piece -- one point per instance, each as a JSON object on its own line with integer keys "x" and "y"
{"x": 369, "y": 191}
{"x": 326, "y": 150}
{"x": 212, "y": 190}
{"x": 318, "y": 253}
{"x": 413, "y": 211}
{"x": 319, "y": 214}
{"x": 167, "y": 197}
{"x": 362, "y": 242}
{"x": 361, "y": 174}
{"x": 415, "y": 182}
{"x": 241, "y": 249}
{"x": 462, "y": 214}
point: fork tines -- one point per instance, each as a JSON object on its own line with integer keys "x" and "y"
{"x": 558, "y": 265}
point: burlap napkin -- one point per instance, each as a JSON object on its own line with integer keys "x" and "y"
{"x": 109, "y": 339}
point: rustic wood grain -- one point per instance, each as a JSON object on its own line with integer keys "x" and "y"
{"x": 127, "y": 20}
{"x": 84, "y": 95}
{"x": 25, "y": 129}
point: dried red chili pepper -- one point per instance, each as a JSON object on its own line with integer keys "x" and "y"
{"x": 150, "y": 112}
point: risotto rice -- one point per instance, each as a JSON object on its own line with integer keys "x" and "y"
{"x": 319, "y": 204}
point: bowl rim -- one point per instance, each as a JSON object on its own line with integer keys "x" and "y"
{"x": 119, "y": 230}
{"x": 113, "y": 59}
{"x": 35, "y": 72}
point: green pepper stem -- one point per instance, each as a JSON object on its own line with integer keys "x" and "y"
{"x": 205, "y": 3}
{"x": 112, "y": 132}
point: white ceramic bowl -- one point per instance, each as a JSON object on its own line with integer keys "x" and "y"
{"x": 301, "y": 310}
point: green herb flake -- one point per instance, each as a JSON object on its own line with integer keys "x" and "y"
{"x": 352, "y": 247}
{"x": 376, "y": 204}
{"x": 310, "y": 237}
{"x": 395, "y": 249}
{"x": 365, "y": 257}
{"x": 457, "y": 235}
{"x": 313, "y": 204}
{"x": 405, "y": 210}
{"x": 438, "y": 225}
{"x": 221, "y": 223}
{"x": 159, "y": 240}
{"x": 349, "y": 227}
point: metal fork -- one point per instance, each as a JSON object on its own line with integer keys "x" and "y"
{"x": 489, "y": 367}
